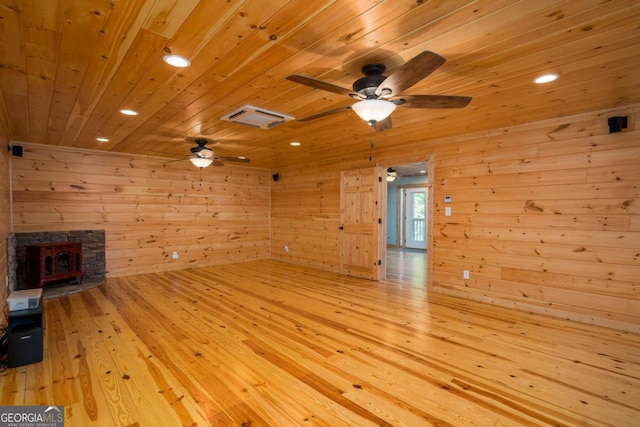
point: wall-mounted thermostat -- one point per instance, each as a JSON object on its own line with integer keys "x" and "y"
{"x": 447, "y": 199}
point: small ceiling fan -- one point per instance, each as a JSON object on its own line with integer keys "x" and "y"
{"x": 379, "y": 95}
{"x": 202, "y": 156}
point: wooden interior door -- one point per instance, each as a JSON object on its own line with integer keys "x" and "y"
{"x": 361, "y": 223}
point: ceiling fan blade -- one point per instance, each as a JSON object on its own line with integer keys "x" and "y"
{"x": 217, "y": 162}
{"x": 233, "y": 159}
{"x": 175, "y": 160}
{"x": 319, "y": 84}
{"x": 433, "y": 101}
{"x": 411, "y": 73}
{"x": 325, "y": 113}
{"x": 383, "y": 125}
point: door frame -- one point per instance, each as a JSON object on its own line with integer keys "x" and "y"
{"x": 430, "y": 160}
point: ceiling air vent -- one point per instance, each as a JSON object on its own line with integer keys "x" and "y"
{"x": 256, "y": 117}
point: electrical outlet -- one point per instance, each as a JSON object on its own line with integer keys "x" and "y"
{"x": 447, "y": 211}
{"x": 286, "y": 248}
{"x": 175, "y": 255}
{"x": 465, "y": 274}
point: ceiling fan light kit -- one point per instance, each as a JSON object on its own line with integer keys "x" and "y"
{"x": 201, "y": 162}
{"x": 373, "y": 110}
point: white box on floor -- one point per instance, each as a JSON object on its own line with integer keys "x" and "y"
{"x": 24, "y": 300}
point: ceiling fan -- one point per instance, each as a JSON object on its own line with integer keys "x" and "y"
{"x": 201, "y": 156}
{"x": 379, "y": 95}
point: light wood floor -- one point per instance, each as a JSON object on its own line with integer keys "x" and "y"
{"x": 271, "y": 344}
{"x": 407, "y": 266}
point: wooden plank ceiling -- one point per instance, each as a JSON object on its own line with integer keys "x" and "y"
{"x": 68, "y": 67}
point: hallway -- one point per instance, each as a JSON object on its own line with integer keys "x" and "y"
{"x": 407, "y": 266}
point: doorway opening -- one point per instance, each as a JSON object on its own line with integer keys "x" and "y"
{"x": 407, "y": 219}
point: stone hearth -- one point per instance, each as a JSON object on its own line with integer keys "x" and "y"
{"x": 61, "y": 288}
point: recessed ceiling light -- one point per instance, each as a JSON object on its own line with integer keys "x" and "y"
{"x": 129, "y": 112}
{"x": 295, "y": 144}
{"x": 101, "y": 139}
{"x": 176, "y": 61}
{"x": 545, "y": 78}
{"x": 423, "y": 171}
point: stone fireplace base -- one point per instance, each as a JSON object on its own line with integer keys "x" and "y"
{"x": 93, "y": 259}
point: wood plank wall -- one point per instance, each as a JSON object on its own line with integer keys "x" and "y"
{"x": 305, "y": 215}
{"x": 148, "y": 208}
{"x": 5, "y": 215}
{"x": 546, "y": 216}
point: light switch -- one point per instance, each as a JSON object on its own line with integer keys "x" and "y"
{"x": 447, "y": 211}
